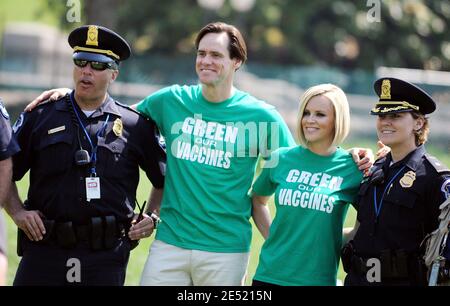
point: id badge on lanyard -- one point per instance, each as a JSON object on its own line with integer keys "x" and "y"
{"x": 92, "y": 182}
{"x": 92, "y": 188}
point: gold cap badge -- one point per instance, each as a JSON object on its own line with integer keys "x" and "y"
{"x": 92, "y": 36}
{"x": 117, "y": 127}
{"x": 408, "y": 179}
{"x": 385, "y": 89}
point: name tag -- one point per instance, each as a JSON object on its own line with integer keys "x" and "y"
{"x": 92, "y": 188}
{"x": 57, "y": 129}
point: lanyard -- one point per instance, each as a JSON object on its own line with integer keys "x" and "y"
{"x": 93, "y": 147}
{"x": 388, "y": 187}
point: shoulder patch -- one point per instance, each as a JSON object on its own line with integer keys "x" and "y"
{"x": 18, "y": 123}
{"x": 3, "y": 110}
{"x": 445, "y": 188}
{"x": 437, "y": 165}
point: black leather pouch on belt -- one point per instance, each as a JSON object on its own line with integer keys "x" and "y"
{"x": 96, "y": 233}
{"x": 110, "y": 232}
{"x": 394, "y": 264}
{"x": 65, "y": 235}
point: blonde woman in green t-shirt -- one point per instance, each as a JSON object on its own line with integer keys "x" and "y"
{"x": 313, "y": 184}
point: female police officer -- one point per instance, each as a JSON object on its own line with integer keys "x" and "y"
{"x": 399, "y": 203}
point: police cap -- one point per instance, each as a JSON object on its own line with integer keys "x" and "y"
{"x": 97, "y": 43}
{"x": 400, "y": 96}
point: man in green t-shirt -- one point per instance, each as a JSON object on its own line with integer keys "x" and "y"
{"x": 214, "y": 134}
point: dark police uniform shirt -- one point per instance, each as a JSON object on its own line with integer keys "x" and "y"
{"x": 48, "y": 137}
{"x": 410, "y": 207}
{"x": 8, "y": 147}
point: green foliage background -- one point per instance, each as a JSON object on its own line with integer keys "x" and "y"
{"x": 410, "y": 33}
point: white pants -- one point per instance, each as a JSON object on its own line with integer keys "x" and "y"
{"x": 168, "y": 265}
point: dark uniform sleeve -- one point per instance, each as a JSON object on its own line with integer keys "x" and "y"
{"x": 153, "y": 155}
{"x": 23, "y": 134}
{"x": 8, "y": 145}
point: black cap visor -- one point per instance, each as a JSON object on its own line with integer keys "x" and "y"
{"x": 92, "y": 57}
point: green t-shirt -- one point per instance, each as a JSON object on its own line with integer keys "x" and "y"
{"x": 212, "y": 150}
{"x": 311, "y": 197}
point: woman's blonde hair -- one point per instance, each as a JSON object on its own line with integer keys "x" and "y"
{"x": 421, "y": 135}
{"x": 341, "y": 111}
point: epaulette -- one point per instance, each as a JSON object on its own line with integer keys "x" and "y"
{"x": 378, "y": 164}
{"x": 48, "y": 101}
{"x": 128, "y": 107}
{"x": 436, "y": 163}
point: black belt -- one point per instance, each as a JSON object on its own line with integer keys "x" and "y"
{"x": 82, "y": 232}
{"x": 102, "y": 233}
{"x": 400, "y": 266}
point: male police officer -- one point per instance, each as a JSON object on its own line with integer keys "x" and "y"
{"x": 398, "y": 204}
{"x": 84, "y": 155}
{"x": 8, "y": 147}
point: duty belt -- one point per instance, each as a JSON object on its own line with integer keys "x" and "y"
{"x": 100, "y": 234}
{"x": 395, "y": 265}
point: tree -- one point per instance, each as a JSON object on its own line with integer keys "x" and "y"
{"x": 410, "y": 33}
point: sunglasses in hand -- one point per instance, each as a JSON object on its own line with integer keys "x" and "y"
{"x": 155, "y": 218}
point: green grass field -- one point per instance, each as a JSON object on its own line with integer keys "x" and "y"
{"x": 139, "y": 255}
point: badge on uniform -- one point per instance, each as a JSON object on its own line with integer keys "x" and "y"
{"x": 3, "y": 111}
{"x": 118, "y": 127}
{"x": 408, "y": 179}
{"x": 92, "y": 188}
